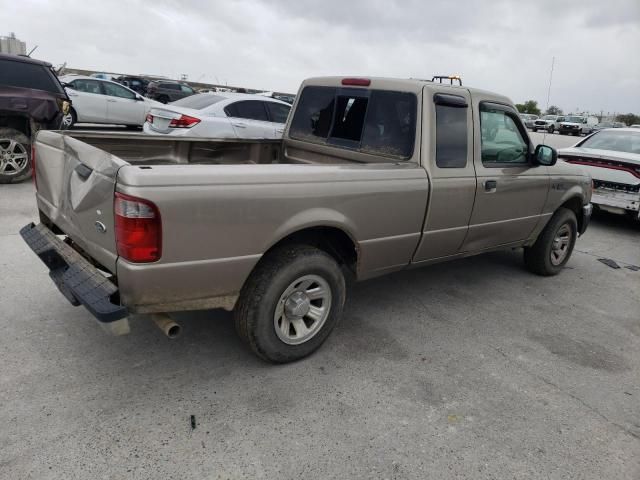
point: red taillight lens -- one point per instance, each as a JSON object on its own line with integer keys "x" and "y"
{"x": 360, "y": 82}
{"x": 33, "y": 165}
{"x": 138, "y": 229}
{"x": 149, "y": 118}
{"x": 185, "y": 121}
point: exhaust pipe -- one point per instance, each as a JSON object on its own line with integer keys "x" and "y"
{"x": 170, "y": 328}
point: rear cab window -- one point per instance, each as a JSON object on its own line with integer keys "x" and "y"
{"x": 377, "y": 122}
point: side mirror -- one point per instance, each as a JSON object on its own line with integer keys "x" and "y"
{"x": 139, "y": 98}
{"x": 545, "y": 155}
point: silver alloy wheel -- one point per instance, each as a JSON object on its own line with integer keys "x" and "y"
{"x": 560, "y": 245}
{"x": 67, "y": 120}
{"x": 13, "y": 157}
{"x": 302, "y": 309}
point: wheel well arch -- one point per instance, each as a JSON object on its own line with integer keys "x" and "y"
{"x": 575, "y": 205}
{"x": 332, "y": 240}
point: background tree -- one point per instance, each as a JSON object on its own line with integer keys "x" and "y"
{"x": 530, "y": 106}
{"x": 553, "y": 110}
{"x": 628, "y": 118}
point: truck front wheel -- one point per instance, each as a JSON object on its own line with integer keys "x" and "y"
{"x": 15, "y": 154}
{"x": 554, "y": 245}
{"x": 290, "y": 303}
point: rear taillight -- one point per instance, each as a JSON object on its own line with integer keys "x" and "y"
{"x": 33, "y": 165}
{"x": 185, "y": 121}
{"x": 138, "y": 229}
{"x": 149, "y": 118}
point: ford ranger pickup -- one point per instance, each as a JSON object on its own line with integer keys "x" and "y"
{"x": 372, "y": 176}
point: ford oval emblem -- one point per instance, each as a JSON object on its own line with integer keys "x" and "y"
{"x": 100, "y": 227}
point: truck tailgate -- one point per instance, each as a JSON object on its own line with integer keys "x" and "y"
{"x": 75, "y": 189}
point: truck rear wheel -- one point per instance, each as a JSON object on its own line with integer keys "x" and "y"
{"x": 290, "y": 303}
{"x": 15, "y": 156}
{"x": 554, "y": 245}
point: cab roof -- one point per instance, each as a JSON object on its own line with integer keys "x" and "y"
{"x": 411, "y": 84}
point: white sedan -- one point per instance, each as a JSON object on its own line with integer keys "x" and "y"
{"x": 612, "y": 158}
{"x": 220, "y": 115}
{"x": 102, "y": 101}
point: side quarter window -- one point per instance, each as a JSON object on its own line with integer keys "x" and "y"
{"x": 501, "y": 140}
{"x": 451, "y": 131}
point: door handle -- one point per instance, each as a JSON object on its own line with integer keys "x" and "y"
{"x": 240, "y": 125}
{"x": 109, "y": 100}
{"x": 490, "y": 185}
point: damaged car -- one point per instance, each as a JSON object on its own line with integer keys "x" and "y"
{"x": 31, "y": 99}
{"x": 612, "y": 158}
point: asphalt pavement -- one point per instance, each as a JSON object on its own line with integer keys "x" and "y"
{"x": 471, "y": 369}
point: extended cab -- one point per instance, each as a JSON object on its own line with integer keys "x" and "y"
{"x": 372, "y": 176}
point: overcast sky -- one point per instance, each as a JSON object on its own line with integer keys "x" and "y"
{"x": 505, "y": 46}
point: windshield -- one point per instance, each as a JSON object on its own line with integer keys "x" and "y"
{"x": 199, "y": 101}
{"x": 574, "y": 119}
{"x": 614, "y": 140}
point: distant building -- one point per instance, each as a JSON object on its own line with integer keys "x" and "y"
{"x": 12, "y": 45}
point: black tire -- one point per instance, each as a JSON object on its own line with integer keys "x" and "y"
{"x": 163, "y": 99}
{"x": 551, "y": 129}
{"x": 14, "y": 146}
{"x": 276, "y": 273}
{"x": 538, "y": 257}
{"x": 534, "y": 129}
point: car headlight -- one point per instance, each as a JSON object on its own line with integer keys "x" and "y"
{"x": 66, "y": 106}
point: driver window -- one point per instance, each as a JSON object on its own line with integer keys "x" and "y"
{"x": 501, "y": 141}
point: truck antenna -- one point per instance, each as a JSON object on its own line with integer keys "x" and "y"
{"x": 32, "y": 50}
{"x": 553, "y": 61}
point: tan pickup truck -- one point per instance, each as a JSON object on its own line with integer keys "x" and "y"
{"x": 372, "y": 176}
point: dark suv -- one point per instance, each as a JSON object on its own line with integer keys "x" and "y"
{"x": 166, "y": 91}
{"x": 135, "y": 83}
{"x": 31, "y": 99}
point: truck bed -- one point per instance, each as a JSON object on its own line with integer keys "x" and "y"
{"x": 142, "y": 149}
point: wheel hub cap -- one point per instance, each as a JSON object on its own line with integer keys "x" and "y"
{"x": 297, "y": 305}
{"x": 560, "y": 245}
{"x": 302, "y": 309}
{"x": 13, "y": 157}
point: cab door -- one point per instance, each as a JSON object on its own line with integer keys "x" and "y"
{"x": 88, "y": 100}
{"x": 447, "y": 154}
{"x": 511, "y": 190}
{"x": 123, "y": 105}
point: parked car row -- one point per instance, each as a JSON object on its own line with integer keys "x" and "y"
{"x": 212, "y": 115}
{"x": 566, "y": 124}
